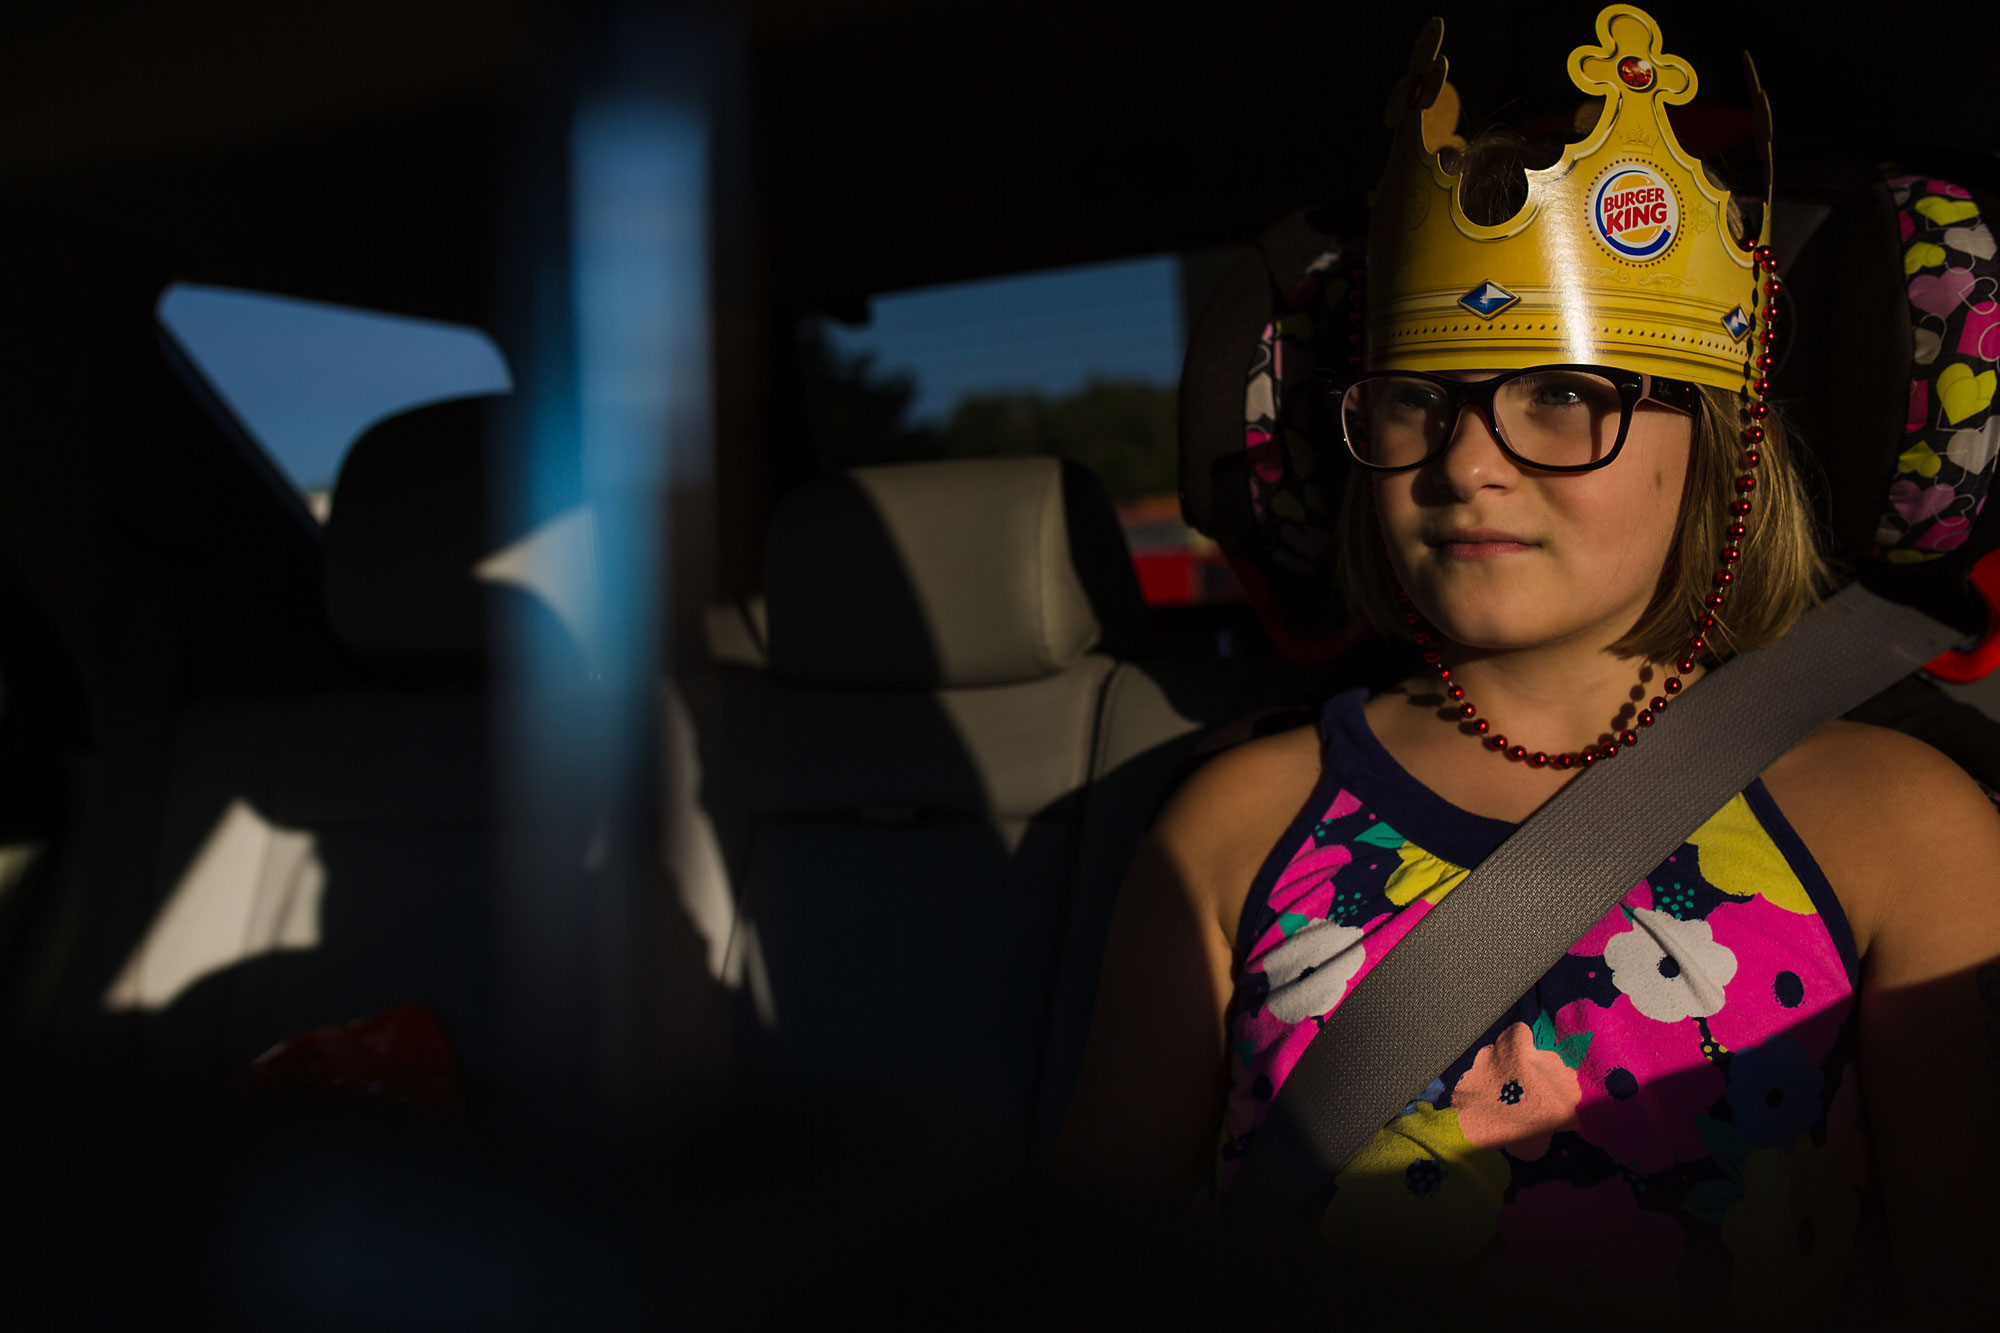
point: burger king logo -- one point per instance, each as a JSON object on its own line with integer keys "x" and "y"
{"x": 1635, "y": 212}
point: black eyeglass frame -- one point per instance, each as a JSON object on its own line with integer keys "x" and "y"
{"x": 1634, "y": 387}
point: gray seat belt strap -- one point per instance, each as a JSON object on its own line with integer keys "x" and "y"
{"x": 1489, "y": 940}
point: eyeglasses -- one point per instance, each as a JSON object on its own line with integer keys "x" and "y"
{"x": 1555, "y": 418}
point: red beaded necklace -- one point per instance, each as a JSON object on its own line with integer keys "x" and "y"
{"x": 1739, "y": 509}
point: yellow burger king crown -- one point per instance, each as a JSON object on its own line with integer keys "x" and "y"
{"x": 1621, "y": 256}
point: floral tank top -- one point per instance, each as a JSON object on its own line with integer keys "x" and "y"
{"x": 1674, "y": 1104}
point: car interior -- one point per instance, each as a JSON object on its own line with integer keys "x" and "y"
{"x": 605, "y": 863}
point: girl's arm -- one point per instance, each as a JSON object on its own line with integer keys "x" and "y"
{"x": 1142, "y": 1123}
{"x": 1930, "y": 1038}
{"x": 1912, "y": 847}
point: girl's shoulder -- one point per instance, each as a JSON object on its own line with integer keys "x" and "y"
{"x": 1892, "y": 822}
{"x": 1888, "y": 818}
{"x": 1876, "y": 778}
{"x": 1221, "y": 824}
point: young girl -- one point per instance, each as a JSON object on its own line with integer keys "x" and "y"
{"x": 1571, "y": 496}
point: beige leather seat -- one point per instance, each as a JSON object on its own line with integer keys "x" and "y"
{"x": 953, "y": 760}
{"x": 329, "y": 853}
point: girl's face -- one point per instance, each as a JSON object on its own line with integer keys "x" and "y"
{"x": 1500, "y": 556}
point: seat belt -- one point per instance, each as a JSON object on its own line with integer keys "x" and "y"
{"x": 1488, "y": 941}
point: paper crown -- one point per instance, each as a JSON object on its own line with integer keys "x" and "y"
{"x": 1622, "y": 254}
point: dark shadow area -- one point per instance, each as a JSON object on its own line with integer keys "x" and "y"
{"x": 161, "y": 564}
{"x": 925, "y": 852}
{"x": 42, "y": 720}
{"x": 319, "y": 759}
{"x": 239, "y": 1217}
{"x": 382, "y": 848}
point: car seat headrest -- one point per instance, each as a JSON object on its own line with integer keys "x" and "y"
{"x": 965, "y": 572}
{"x": 1886, "y": 367}
{"x": 1254, "y": 472}
{"x": 404, "y": 560}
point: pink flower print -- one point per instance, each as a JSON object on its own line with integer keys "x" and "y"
{"x": 1344, "y": 804}
{"x": 1269, "y": 1039}
{"x": 1643, "y": 1083}
{"x": 1982, "y": 332}
{"x": 1789, "y": 979}
{"x": 1516, "y": 1096}
{"x": 1950, "y": 191}
{"x": 1774, "y": 1089}
{"x": 1269, "y": 1050}
{"x": 1559, "y": 1227}
{"x": 1304, "y": 892}
{"x": 1614, "y": 922}
{"x": 1908, "y": 225}
{"x": 1306, "y": 886}
{"x": 1920, "y": 405}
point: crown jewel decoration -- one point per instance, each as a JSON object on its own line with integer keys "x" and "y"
{"x": 1487, "y": 299}
{"x": 1621, "y": 255}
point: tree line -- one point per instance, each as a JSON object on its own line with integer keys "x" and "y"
{"x": 1121, "y": 429}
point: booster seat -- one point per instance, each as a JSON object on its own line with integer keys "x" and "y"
{"x": 1887, "y": 373}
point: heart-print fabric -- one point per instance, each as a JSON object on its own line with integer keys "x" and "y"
{"x": 1945, "y": 464}
{"x": 1280, "y": 432}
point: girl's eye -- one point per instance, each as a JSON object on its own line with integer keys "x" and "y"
{"x": 1557, "y": 392}
{"x": 1416, "y": 397}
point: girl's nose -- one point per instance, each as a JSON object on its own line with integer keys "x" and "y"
{"x": 1473, "y": 458}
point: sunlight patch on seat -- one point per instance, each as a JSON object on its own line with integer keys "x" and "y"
{"x": 252, "y": 889}
{"x": 692, "y": 850}
{"x": 557, "y": 562}
{"x": 746, "y": 970}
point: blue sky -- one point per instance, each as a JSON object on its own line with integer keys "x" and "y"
{"x": 307, "y": 379}
{"x": 1050, "y": 332}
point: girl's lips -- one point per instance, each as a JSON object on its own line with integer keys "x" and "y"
{"x": 1479, "y": 544}
{"x": 1481, "y": 550}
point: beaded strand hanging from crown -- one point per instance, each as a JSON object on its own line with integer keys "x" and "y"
{"x": 1634, "y": 187}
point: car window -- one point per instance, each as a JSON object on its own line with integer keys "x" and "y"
{"x": 1080, "y": 362}
{"x": 306, "y": 378}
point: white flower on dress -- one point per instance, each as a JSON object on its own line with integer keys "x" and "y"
{"x": 1309, "y": 972}
{"x": 1672, "y": 969}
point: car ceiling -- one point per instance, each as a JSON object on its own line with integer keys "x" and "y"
{"x": 360, "y": 152}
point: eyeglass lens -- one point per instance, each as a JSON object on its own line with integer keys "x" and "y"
{"x": 1558, "y": 418}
